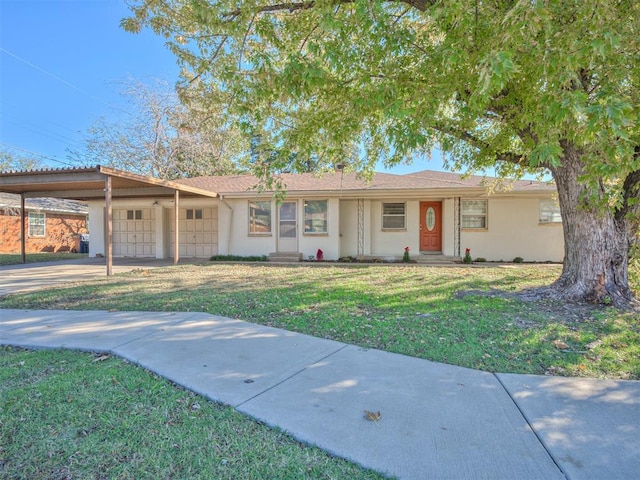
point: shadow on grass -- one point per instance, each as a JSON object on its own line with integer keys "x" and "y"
{"x": 413, "y": 311}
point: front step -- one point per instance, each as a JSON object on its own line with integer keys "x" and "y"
{"x": 429, "y": 259}
{"x": 285, "y": 257}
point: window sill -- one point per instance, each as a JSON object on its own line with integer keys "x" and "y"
{"x": 313, "y": 234}
{"x": 391, "y": 230}
{"x": 474, "y": 229}
{"x": 260, "y": 235}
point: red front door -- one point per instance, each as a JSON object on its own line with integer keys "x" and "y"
{"x": 431, "y": 226}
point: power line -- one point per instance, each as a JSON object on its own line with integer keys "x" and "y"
{"x": 44, "y": 132}
{"x": 37, "y": 154}
{"x": 62, "y": 80}
{"x": 12, "y": 106}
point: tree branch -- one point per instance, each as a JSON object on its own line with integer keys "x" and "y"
{"x": 631, "y": 198}
{"x": 295, "y": 6}
{"x": 510, "y": 157}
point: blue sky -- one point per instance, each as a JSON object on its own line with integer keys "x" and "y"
{"x": 60, "y": 65}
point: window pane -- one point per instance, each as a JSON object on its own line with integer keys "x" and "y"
{"x": 129, "y": 214}
{"x": 199, "y": 214}
{"x": 138, "y": 214}
{"x": 474, "y": 214}
{"x": 315, "y": 216}
{"x": 393, "y": 222}
{"x": 549, "y": 211}
{"x": 393, "y": 215}
{"x": 287, "y": 229}
{"x": 472, "y": 221}
{"x": 474, "y": 207}
{"x": 430, "y": 219}
{"x": 288, "y": 211}
{"x": 36, "y": 224}
{"x": 259, "y": 217}
{"x": 393, "y": 208}
{"x": 189, "y": 214}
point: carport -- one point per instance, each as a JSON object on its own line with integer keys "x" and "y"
{"x": 92, "y": 183}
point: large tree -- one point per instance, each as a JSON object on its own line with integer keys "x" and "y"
{"x": 519, "y": 85}
{"x": 165, "y": 136}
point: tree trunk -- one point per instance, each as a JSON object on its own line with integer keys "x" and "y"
{"x": 596, "y": 243}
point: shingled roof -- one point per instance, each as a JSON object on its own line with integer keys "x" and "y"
{"x": 350, "y": 182}
{"x": 11, "y": 201}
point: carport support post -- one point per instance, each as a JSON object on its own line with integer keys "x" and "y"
{"x": 23, "y": 216}
{"x": 108, "y": 225}
{"x": 176, "y": 210}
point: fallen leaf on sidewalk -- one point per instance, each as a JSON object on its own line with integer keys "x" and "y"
{"x": 372, "y": 416}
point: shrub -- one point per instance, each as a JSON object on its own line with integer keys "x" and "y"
{"x": 480, "y": 260}
{"x": 518, "y": 260}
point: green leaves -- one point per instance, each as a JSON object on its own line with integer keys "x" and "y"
{"x": 496, "y": 70}
{"x": 325, "y": 81}
{"x": 546, "y": 154}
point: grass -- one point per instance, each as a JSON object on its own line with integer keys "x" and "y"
{"x": 405, "y": 309}
{"x": 16, "y": 258}
{"x": 72, "y": 415}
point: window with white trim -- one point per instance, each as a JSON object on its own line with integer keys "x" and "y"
{"x": 37, "y": 224}
{"x": 474, "y": 214}
{"x": 315, "y": 216}
{"x": 394, "y": 216}
{"x": 259, "y": 218}
{"x": 549, "y": 211}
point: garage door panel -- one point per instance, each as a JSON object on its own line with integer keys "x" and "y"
{"x": 133, "y": 232}
{"x": 198, "y": 237}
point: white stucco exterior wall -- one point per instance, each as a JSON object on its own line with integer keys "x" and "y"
{"x": 233, "y": 230}
{"x": 514, "y": 231}
{"x": 96, "y": 228}
{"x": 448, "y": 227}
{"x": 329, "y": 243}
{"x": 348, "y": 228}
{"x": 391, "y": 243}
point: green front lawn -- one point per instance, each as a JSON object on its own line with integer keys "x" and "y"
{"x": 407, "y": 309}
{"x": 67, "y": 415}
{"x": 16, "y": 258}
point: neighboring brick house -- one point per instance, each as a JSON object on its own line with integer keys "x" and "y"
{"x": 52, "y": 225}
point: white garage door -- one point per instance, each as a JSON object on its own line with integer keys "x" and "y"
{"x": 134, "y": 232}
{"x": 198, "y": 232}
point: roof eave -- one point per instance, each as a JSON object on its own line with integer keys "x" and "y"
{"x": 404, "y": 193}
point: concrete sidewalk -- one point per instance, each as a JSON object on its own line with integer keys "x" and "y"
{"x": 437, "y": 421}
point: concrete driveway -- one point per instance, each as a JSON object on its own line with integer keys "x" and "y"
{"x": 33, "y": 276}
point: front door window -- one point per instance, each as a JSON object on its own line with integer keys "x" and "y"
{"x": 287, "y": 227}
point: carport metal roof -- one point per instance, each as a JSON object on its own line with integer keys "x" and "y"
{"x": 89, "y": 183}
{"x": 92, "y": 183}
